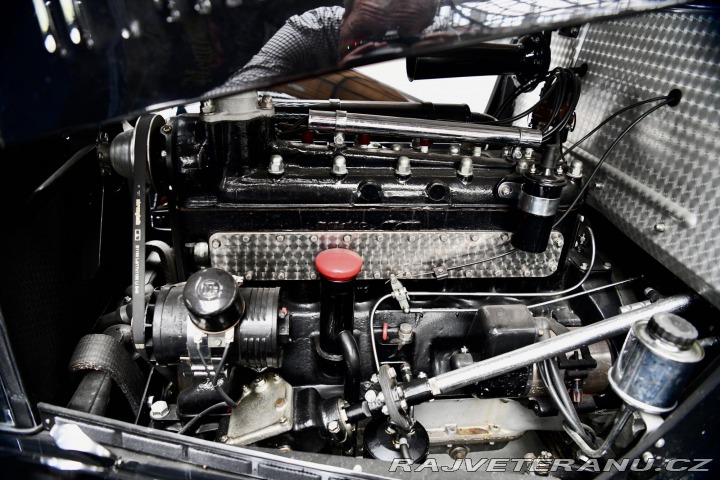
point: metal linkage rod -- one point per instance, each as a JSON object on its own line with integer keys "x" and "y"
{"x": 345, "y": 122}
{"x": 507, "y": 362}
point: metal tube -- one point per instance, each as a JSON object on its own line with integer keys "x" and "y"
{"x": 553, "y": 347}
{"x": 584, "y": 292}
{"x": 294, "y": 110}
{"x": 345, "y": 122}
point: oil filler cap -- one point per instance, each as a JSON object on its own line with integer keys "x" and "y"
{"x": 673, "y": 329}
{"x": 338, "y": 264}
{"x": 213, "y": 299}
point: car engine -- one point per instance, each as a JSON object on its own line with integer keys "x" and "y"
{"x": 336, "y": 274}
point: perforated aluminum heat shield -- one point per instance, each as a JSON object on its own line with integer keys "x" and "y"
{"x": 661, "y": 184}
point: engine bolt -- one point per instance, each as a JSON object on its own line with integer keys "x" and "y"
{"x": 280, "y": 238}
{"x": 334, "y": 426}
{"x": 405, "y": 332}
{"x": 208, "y": 107}
{"x": 266, "y": 102}
{"x": 505, "y": 191}
{"x": 370, "y": 396}
{"x": 454, "y": 149}
{"x": 283, "y": 420}
{"x": 459, "y": 452}
{"x": 465, "y": 169}
{"x": 576, "y": 169}
{"x": 403, "y": 167}
{"x": 660, "y": 227}
{"x": 159, "y": 410}
{"x": 166, "y": 128}
{"x": 339, "y": 139}
{"x": 521, "y": 166}
{"x": 314, "y": 238}
{"x": 216, "y": 243}
{"x": 277, "y": 165}
{"x": 347, "y": 239}
{"x": 339, "y": 168}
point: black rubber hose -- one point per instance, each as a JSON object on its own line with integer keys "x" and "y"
{"x": 167, "y": 259}
{"x": 120, "y": 316}
{"x": 351, "y": 355}
{"x": 350, "y": 352}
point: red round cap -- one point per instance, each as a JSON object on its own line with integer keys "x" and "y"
{"x": 338, "y": 264}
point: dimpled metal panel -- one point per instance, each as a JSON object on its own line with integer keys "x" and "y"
{"x": 291, "y": 255}
{"x": 661, "y": 184}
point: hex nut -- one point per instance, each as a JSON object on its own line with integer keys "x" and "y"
{"x": 159, "y": 410}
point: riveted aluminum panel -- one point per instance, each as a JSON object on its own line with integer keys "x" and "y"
{"x": 661, "y": 184}
{"x": 291, "y": 255}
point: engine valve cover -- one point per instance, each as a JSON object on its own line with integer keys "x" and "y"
{"x": 407, "y": 254}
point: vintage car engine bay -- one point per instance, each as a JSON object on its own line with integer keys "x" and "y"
{"x": 384, "y": 280}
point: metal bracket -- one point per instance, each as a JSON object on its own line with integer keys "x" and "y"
{"x": 265, "y": 410}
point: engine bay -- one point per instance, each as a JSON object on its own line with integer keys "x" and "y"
{"x": 366, "y": 294}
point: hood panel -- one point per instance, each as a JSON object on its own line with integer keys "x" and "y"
{"x": 68, "y": 64}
